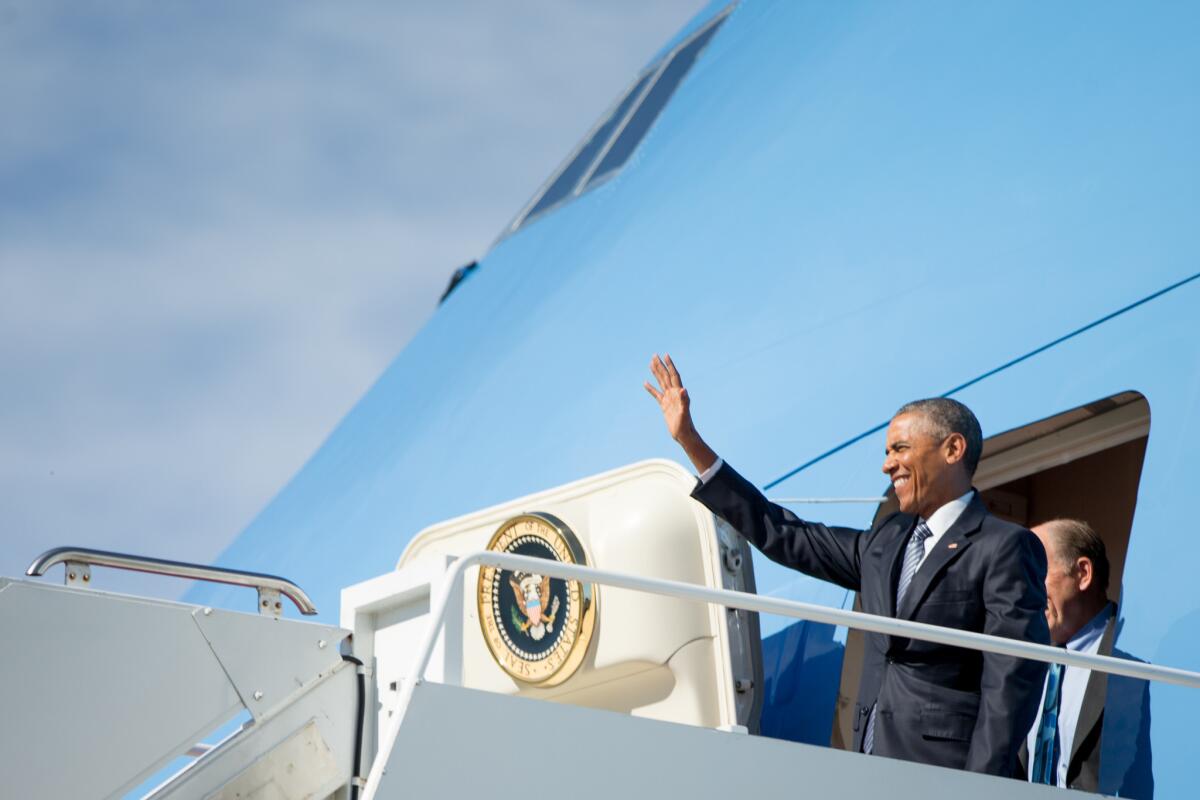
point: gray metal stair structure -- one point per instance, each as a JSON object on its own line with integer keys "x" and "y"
{"x": 457, "y": 742}
{"x": 101, "y": 691}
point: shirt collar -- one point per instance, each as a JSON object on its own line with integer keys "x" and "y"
{"x": 1088, "y": 637}
{"x": 940, "y": 521}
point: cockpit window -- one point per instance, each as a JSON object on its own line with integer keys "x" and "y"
{"x": 615, "y": 138}
{"x": 579, "y": 166}
{"x": 656, "y": 99}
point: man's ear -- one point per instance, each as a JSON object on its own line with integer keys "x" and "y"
{"x": 1085, "y": 573}
{"x": 954, "y": 448}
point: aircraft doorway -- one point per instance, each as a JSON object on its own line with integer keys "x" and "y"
{"x": 1084, "y": 463}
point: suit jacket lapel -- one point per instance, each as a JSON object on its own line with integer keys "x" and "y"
{"x": 1095, "y": 693}
{"x": 949, "y": 547}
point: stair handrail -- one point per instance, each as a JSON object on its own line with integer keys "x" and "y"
{"x": 81, "y": 559}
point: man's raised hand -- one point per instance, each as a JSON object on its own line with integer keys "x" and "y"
{"x": 673, "y": 399}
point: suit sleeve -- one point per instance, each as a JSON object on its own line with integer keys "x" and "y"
{"x": 1014, "y": 594}
{"x": 828, "y": 553}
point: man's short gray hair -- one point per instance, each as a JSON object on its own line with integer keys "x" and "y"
{"x": 944, "y": 417}
{"x": 1075, "y": 539}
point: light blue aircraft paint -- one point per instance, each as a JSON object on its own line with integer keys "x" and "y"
{"x": 842, "y": 207}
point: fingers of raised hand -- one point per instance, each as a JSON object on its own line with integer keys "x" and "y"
{"x": 666, "y": 373}
{"x": 672, "y": 373}
{"x": 655, "y": 393}
{"x": 660, "y": 372}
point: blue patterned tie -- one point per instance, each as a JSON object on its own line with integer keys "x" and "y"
{"x": 913, "y": 554}
{"x": 1045, "y": 759}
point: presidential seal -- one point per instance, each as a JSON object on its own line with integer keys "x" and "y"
{"x": 537, "y": 627}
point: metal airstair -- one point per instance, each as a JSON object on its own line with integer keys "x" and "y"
{"x": 103, "y": 692}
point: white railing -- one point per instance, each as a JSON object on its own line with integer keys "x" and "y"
{"x": 748, "y": 602}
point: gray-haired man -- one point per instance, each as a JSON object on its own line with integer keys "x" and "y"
{"x": 1079, "y": 707}
{"x": 943, "y": 559}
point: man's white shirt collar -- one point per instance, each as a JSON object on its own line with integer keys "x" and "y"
{"x": 1087, "y": 638}
{"x": 941, "y": 520}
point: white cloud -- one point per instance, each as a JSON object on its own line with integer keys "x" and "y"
{"x": 220, "y": 221}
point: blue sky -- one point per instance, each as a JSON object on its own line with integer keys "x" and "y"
{"x": 220, "y": 221}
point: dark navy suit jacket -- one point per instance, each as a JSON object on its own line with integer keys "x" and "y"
{"x": 936, "y": 704}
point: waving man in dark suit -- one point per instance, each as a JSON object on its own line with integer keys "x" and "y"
{"x": 942, "y": 559}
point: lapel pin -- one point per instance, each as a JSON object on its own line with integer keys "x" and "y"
{"x": 952, "y": 545}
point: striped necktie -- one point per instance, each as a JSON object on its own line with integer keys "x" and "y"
{"x": 1045, "y": 760}
{"x": 914, "y": 553}
{"x": 913, "y": 556}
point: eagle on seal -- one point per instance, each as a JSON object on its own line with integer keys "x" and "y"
{"x": 532, "y": 592}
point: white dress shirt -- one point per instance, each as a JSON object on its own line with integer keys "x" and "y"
{"x": 707, "y": 475}
{"x": 1074, "y": 684}
{"x": 940, "y": 521}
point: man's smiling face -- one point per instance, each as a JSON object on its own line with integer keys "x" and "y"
{"x": 923, "y": 470}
